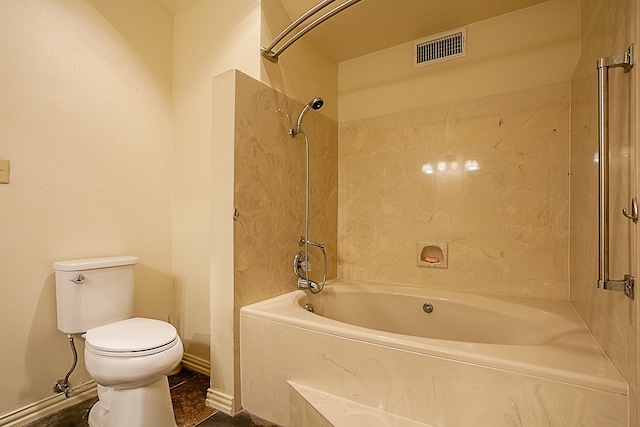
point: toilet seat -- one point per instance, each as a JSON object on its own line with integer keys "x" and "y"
{"x": 133, "y": 337}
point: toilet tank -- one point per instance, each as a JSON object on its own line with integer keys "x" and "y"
{"x": 93, "y": 292}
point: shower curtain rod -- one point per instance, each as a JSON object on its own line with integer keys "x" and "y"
{"x": 272, "y": 56}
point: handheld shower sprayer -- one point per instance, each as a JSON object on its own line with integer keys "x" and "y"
{"x": 316, "y": 104}
{"x": 301, "y": 263}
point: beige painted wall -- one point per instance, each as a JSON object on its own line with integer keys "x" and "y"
{"x": 532, "y": 47}
{"x": 210, "y": 38}
{"x": 144, "y": 73}
{"x": 54, "y": 115}
{"x": 608, "y": 29}
{"x": 222, "y": 391}
{"x": 85, "y": 119}
{"x": 303, "y": 72}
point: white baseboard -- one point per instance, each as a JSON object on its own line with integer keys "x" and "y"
{"x": 197, "y": 364}
{"x": 48, "y": 406}
{"x": 221, "y": 401}
{"x": 81, "y": 393}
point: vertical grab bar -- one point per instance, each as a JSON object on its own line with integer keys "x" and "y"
{"x": 624, "y": 60}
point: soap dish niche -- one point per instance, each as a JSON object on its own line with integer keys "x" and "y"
{"x": 434, "y": 255}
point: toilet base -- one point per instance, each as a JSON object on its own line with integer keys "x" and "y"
{"x": 136, "y": 407}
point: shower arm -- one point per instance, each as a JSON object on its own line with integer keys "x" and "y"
{"x": 624, "y": 60}
{"x": 272, "y": 56}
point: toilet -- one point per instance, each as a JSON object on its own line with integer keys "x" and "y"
{"x": 128, "y": 357}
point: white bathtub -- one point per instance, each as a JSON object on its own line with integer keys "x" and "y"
{"x": 475, "y": 360}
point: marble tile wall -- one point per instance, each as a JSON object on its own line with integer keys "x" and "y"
{"x": 270, "y": 194}
{"x": 270, "y": 191}
{"x": 487, "y": 176}
{"x": 608, "y": 29}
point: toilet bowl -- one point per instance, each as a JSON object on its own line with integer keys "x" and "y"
{"x": 128, "y": 357}
{"x": 132, "y": 352}
{"x": 130, "y": 360}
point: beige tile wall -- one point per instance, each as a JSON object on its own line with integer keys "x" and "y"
{"x": 608, "y": 29}
{"x": 270, "y": 191}
{"x": 407, "y": 177}
{"x": 270, "y": 194}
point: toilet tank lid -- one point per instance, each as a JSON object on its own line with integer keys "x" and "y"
{"x": 93, "y": 263}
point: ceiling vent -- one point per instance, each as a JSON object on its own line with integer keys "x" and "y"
{"x": 440, "y": 47}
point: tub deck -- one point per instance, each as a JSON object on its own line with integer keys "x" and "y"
{"x": 563, "y": 375}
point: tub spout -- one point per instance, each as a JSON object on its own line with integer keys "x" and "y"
{"x": 314, "y": 287}
{"x": 303, "y": 283}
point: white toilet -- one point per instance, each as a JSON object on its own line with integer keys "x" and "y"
{"x": 129, "y": 358}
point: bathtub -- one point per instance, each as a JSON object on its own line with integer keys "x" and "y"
{"x": 425, "y": 356}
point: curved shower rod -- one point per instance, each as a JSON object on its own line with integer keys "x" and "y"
{"x": 272, "y": 56}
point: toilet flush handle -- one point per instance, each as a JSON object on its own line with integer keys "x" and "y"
{"x": 79, "y": 279}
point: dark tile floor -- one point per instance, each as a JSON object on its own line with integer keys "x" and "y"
{"x": 188, "y": 393}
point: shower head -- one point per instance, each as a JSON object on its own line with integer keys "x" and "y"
{"x": 316, "y": 104}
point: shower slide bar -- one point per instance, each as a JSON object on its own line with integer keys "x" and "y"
{"x": 272, "y": 56}
{"x": 624, "y": 60}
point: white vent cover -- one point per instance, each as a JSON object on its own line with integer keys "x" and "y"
{"x": 440, "y": 47}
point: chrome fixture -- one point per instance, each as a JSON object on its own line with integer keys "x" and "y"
{"x": 272, "y": 56}
{"x": 79, "y": 279}
{"x": 302, "y": 267}
{"x": 62, "y": 385}
{"x": 316, "y": 104}
{"x": 633, "y": 216}
{"x": 624, "y": 60}
{"x": 427, "y": 307}
{"x": 308, "y": 307}
{"x": 301, "y": 263}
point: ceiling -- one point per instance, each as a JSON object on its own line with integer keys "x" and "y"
{"x": 372, "y": 25}
{"x": 177, "y": 6}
